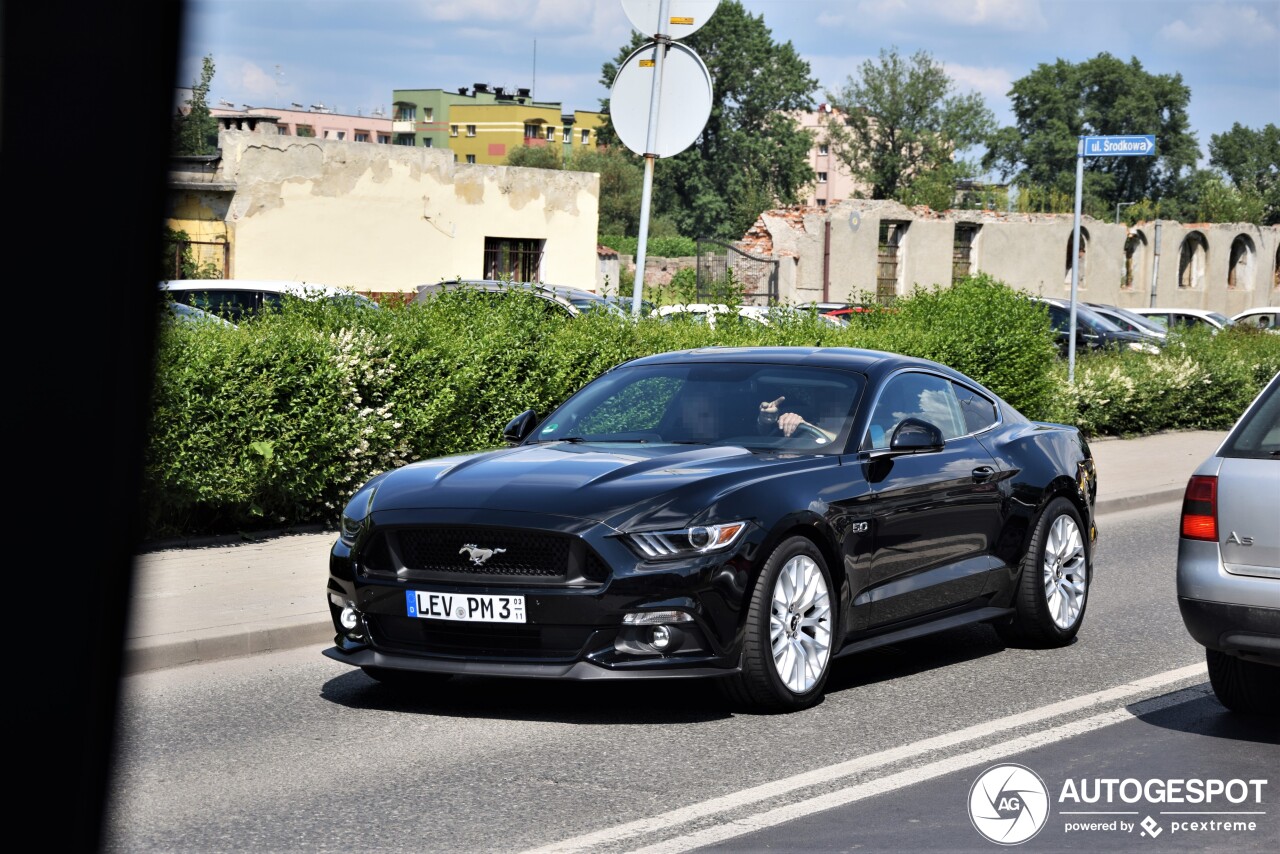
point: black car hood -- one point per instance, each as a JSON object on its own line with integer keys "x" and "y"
{"x": 608, "y": 483}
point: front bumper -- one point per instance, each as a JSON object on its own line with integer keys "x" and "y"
{"x": 574, "y": 626}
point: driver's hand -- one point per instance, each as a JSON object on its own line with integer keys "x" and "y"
{"x": 768, "y": 418}
{"x": 788, "y": 422}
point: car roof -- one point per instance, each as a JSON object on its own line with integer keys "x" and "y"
{"x": 574, "y": 300}
{"x": 275, "y": 286}
{"x": 871, "y": 362}
{"x": 1257, "y": 309}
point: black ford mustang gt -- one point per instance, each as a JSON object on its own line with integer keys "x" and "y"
{"x": 740, "y": 513}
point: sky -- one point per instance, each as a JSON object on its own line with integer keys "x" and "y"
{"x": 348, "y": 55}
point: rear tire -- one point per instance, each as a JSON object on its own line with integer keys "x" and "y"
{"x": 408, "y": 679}
{"x": 1053, "y": 585}
{"x": 789, "y": 633}
{"x": 1245, "y": 687}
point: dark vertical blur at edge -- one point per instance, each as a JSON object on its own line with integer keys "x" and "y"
{"x": 86, "y": 93}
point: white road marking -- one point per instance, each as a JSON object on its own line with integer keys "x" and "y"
{"x": 647, "y": 827}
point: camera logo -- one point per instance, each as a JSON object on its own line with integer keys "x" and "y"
{"x": 1008, "y": 804}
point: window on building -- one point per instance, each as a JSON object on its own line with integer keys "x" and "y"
{"x": 1240, "y": 264}
{"x": 471, "y": 130}
{"x": 405, "y": 113}
{"x": 282, "y": 130}
{"x": 822, "y": 177}
{"x": 405, "y": 139}
{"x": 342, "y": 134}
{"x": 962, "y": 249}
{"x": 888, "y": 257}
{"x": 586, "y": 136}
{"x": 568, "y": 135}
{"x": 453, "y": 130}
{"x": 428, "y": 142}
{"x": 471, "y": 158}
{"x": 531, "y": 131}
{"x": 518, "y": 258}
{"x": 822, "y": 203}
{"x": 307, "y": 131}
{"x": 428, "y": 113}
{"x": 362, "y": 136}
{"x": 384, "y": 138}
{"x": 1191, "y": 261}
{"x": 551, "y": 134}
{"x": 824, "y": 149}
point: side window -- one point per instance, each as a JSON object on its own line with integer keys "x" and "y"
{"x": 915, "y": 395}
{"x": 978, "y": 412}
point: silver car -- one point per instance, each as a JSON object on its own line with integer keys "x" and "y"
{"x": 1229, "y": 559}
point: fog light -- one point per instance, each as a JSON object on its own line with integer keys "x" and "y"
{"x": 351, "y": 622}
{"x": 661, "y": 638}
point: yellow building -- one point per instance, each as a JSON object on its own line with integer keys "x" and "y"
{"x": 488, "y": 133}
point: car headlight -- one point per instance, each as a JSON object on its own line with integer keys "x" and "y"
{"x": 686, "y": 542}
{"x": 356, "y": 515}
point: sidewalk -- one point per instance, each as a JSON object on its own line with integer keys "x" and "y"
{"x": 202, "y": 603}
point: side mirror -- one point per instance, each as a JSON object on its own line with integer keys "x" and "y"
{"x": 519, "y": 428}
{"x": 915, "y": 436}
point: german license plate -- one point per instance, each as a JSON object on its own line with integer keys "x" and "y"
{"x": 466, "y": 608}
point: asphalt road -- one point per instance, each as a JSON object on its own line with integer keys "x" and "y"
{"x": 290, "y": 751}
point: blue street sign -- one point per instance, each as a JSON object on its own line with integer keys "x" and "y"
{"x": 1120, "y": 146}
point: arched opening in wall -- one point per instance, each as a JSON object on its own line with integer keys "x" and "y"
{"x": 1240, "y": 264}
{"x": 1192, "y": 258}
{"x": 1084, "y": 258}
{"x": 889, "y": 255}
{"x": 1135, "y": 260}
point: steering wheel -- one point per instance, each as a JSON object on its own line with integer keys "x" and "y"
{"x": 809, "y": 431}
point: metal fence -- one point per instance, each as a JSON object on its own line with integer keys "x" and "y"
{"x": 724, "y": 270}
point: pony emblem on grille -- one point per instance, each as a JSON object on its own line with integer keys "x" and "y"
{"x": 479, "y": 555}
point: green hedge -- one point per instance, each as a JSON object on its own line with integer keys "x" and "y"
{"x": 274, "y": 423}
{"x": 655, "y": 247}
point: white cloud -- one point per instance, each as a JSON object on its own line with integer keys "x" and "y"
{"x": 1017, "y": 16}
{"x": 989, "y": 82}
{"x": 1219, "y": 25}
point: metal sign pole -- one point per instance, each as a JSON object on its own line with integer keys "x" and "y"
{"x": 659, "y": 54}
{"x": 1075, "y": 263}
{"x": 1155, "y": 266}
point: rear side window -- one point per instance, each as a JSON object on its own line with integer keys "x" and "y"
{"x": 979, "y": 413}
{"x": 1257, "y": 436}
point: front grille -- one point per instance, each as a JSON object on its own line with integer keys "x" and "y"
{"x": 482, "y": 554}
{"x": 483, "y": 640}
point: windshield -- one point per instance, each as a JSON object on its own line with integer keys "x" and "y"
{"x": 712, "y": 404}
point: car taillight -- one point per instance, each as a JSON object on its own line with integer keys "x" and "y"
{"x": 1200, "y": 508}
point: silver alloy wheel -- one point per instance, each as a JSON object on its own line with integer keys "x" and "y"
{"x": 1066, "y": 574}
{"x": 800, "y": 624}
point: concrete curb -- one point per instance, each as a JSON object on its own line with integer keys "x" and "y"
{"x": 147, "y": 654}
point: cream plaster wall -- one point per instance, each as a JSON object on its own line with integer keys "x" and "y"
{"x": 388, "y": 218}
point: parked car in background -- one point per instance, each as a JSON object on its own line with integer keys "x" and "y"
{"x": 624, "y": 303}
{"x": 1229, "y": 559}
{"x": 182, "y": 313}
{"x": 1186, "y": 318}
{"x": 1093, "y": 331}
{"x": 570, "y": 301}
{"x": 1266, "y": 317}
{"x": 1131, "y": 321}
{"x": 707, "y": 312}
{"x": 739, "y": 514}
{"x": 237, "y": 300}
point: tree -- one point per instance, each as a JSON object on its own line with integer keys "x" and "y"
{"x": 535, "y": 157}
{"x": 621, "y": 186}
{"x": 1251, "y": 159}
{"x": 750, "y": 155}
{"x": 195, "y": 132}
{"x": 1057, "y": 103}
{"x": 899, "y": 125}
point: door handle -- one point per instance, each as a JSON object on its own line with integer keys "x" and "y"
{"x": 982, "y": 473}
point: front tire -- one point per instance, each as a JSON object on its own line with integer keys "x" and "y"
{"x": 1244, "y": 687}
{"x": 789, "y": 633}
{"x": 1053, "y": 585}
